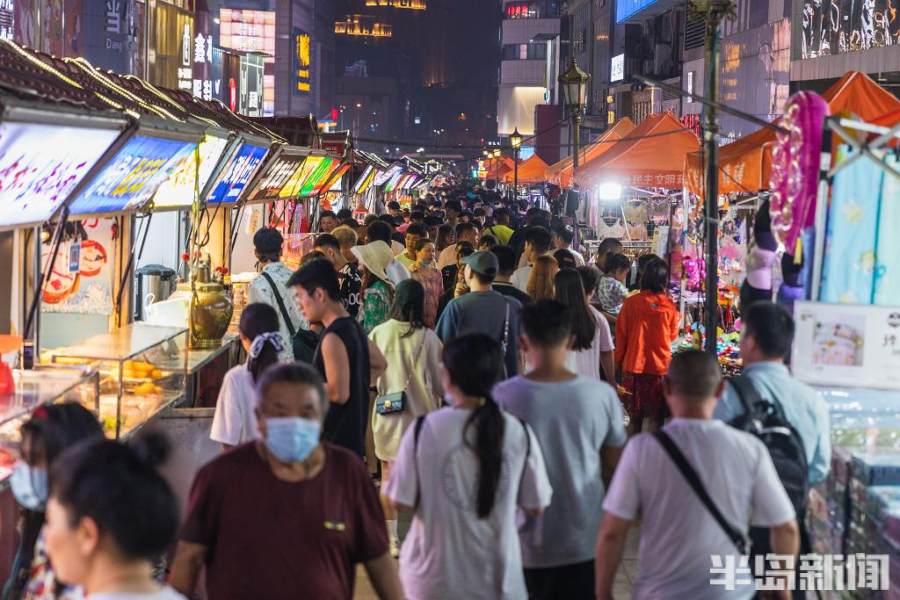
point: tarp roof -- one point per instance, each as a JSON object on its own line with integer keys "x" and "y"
{"x": 533, "y": 170}
{"x": 745, "y": 164}
{"x": 651, "y": 155}
{"x": 560, "y": 173}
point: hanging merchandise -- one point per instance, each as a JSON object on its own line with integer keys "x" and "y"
{"x": 848, "y": 275}
{"x": 887, "y": 257}
{"x": 795, "y": 167}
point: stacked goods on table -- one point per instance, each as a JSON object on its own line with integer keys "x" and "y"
{"x": 857, "y": 509}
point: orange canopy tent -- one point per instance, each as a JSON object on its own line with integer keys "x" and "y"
{"x": 533, "y": 170}
{"x": 651, "y": 155}
{"x": 497, "y": 168}
{"x": 745, "y": 164}
{"x": 560, "y": 173}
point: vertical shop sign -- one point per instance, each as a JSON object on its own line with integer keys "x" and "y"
{"x": 302, "y": 61}
{"x": 185, "y": 70}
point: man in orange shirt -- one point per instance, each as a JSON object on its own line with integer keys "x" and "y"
{"x": 645, "y": 330}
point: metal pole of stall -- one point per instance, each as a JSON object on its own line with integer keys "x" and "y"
{"x": 713, "y": 12}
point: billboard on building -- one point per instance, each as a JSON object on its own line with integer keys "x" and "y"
{"x": 627, "y": 8}
{"x": 841, "y": 26}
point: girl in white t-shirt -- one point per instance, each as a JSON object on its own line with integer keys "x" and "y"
{"x": 234, "y": 422}
{"x": 465, "y": 470}
{"x": 592, "y": 343}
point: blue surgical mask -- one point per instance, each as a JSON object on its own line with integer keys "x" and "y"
{"x": 292, "y": 439}
{"x": 29, "y": 486}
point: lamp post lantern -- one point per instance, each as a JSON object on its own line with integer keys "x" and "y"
{"x": 574, "y": 88}
{"x": 515, "y": 140}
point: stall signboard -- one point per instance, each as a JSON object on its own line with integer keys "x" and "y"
{"x": 240, "y": 169}
{"x": 385, "y": 176}
{"x": 40, "y": 165}
{"x": 334, "y": 173}
{"x": 847, "y": 345}
{"x": 292, "y": 188}
{"x": 392, "y": 183}
{"x": 132, "y": 177}
{"x": 314, "y": 182}
{"x": 179, "y": 189}
{"x": 81, "y": 280}
{"x": 364, "y": 180}
{"x": 336, "y": 177}
{"x": 277, "y": 175}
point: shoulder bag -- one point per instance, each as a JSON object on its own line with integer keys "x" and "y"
{"x": 281, "y": 306}
{"x": 736, "y": 537}
{"x": 389, "y": 404}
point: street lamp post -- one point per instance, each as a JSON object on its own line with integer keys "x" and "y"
{"x": 574, "y": 87}
{"x": 712, "y": 11}
{"x": 496, "y": 155}
{"x": 515, "y": 140}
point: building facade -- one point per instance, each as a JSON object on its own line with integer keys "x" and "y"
{"x": 529, "y": 67}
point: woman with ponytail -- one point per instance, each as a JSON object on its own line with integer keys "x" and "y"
{"x": 110, "y": 516}
{"x": 235, "y": 422}
{"x": 464, "y": 470}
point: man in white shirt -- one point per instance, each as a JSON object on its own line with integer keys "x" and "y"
{"x": 680, "y": 539}
{"x": 538, "y": 242}
{"x": 562, "y": 240}
{"x": 465, "y": 232}
{"x": 270, "y": 286}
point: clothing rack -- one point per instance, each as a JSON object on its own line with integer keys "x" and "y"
{"x": 847, "y": 130}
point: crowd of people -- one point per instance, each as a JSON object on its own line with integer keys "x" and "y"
{"x": 452, "y": 396}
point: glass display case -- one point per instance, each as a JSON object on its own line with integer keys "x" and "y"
{"x": 38, "y": 388}
{"x": 143, "y": 369}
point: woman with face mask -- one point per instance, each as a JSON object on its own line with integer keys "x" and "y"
{"x": 303, "y": 514}
{"x": 49, "y": 431}
{"x": 110, "y": 516}
{"x": 424, "y": 270}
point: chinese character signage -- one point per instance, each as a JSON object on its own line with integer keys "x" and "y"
{"x": 40, "y": 165}
{"x": 847, "y": 345}
{"x": 133, "y": 176}
{"x": 237, "y": 174}
{"x": 302, "y": 61}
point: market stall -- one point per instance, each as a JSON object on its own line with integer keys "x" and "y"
{"x": 560, "y": 173}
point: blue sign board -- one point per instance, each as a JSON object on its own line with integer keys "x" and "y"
{"x": 626, "y": 8}
{"x": 132, "y": 176}
{"x": 237, "y": 174}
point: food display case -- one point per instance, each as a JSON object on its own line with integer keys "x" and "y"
{"x": 35, "y": 388}
{"x": 143, "y": 370}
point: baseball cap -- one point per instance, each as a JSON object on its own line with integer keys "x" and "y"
{"x": 483, "y": 262}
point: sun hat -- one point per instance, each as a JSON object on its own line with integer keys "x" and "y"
{"x": 375, "y": 256}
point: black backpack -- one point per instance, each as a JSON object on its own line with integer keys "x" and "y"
{"x": 766, "y": 421}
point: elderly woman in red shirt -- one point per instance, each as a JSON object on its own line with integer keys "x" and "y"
{"x": 645, "y": 330}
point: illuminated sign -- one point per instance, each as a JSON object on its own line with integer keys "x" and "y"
{"x": 251, "y": 31}
{"x": 364, "y": 181}
{"x": 385, "y": 176}
{"x": 627, "y": 8}
{"x": 240, "y": 169}
{"x": 363, "y": 26}
{"x": 298, "y": 178}
{"x": 302, "y": 60}
{"x": 830, "y": 28}
{"x": 277, "y": 175}
{"x": 40, "y": 165}
{"x": 521, "y": 10}
{"x": 178, "y": 189}
{"x": 247, "y": 30}
{"x": 617, "y": 68}
{"x": 186, "y": 68}
{"x": 319, "y": 178}
{"x": 133, "y": 176}
{"x": 407, "y": 4}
